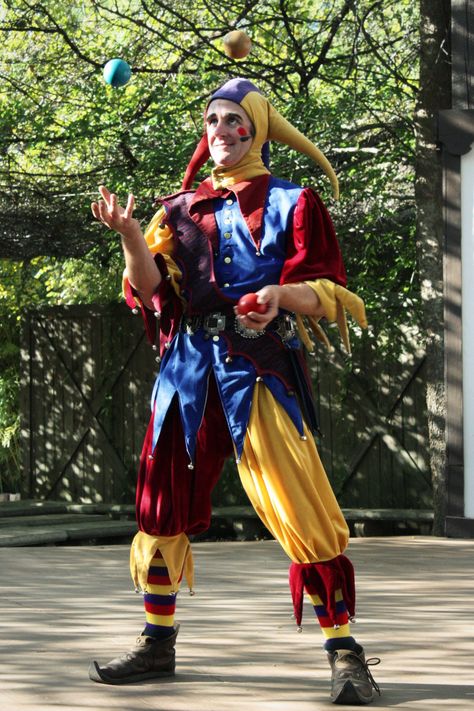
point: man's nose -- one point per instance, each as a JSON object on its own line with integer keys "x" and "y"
{"x": 221, "y": 127}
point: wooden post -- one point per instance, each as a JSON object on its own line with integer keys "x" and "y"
{"x": 456, "y": 135}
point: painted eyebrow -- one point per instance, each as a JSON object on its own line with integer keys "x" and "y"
{"x": 227, "y": 115}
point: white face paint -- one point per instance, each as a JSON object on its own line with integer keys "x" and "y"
{"x": 227, "y": 124}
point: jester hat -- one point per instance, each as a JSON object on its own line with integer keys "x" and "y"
{"x": 269, "y": 126}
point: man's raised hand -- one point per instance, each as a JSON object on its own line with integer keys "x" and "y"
{"x": 113, "y": 215}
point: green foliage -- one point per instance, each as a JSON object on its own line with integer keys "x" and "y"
{"x": 344, "y": 72}
{"x": 9, "y": 417}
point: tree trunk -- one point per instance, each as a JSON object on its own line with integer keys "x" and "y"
{"x": 434, "y": 95}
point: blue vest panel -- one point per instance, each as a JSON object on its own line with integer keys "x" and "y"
{"x": 240, "y": 266}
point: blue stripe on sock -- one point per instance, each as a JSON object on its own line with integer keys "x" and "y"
{"x": 160, "y": 599}
{"x": 331, "y": 645}
{"x": 322, "y": 612}
{"x": 157, "y": 631}
{"x": 156, "y": 570}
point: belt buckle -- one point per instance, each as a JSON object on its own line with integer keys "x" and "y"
{"x": 286, "y": 328}
{"x": 214, "y": 323}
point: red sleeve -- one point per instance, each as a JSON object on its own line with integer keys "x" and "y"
{"x": 166, "y": 312}
{"x": 313, "y": 251}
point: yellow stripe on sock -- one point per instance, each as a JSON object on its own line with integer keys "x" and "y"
{"x": 162, "y": 620}
{"x": 316, "y": 600}
{"x": 158, "y": 589}
{"x": 158, "y": 562}
{"x": 331, "y": 633}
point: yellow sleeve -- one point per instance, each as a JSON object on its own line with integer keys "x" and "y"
{"x": 335, "y": 300}
{"x": 159, "y": 238}
{"x": 158, "y": 235}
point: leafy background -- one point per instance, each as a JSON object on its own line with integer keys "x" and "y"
{"x": 345, "y": 72}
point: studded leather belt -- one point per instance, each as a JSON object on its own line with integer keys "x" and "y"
{"x": 214, "y": 323}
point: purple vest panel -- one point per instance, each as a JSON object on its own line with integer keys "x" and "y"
{"x": 193, "y": 255}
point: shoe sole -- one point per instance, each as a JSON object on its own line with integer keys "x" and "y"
{"x": 97, "y": 675}
{"x": 349, "y": 696}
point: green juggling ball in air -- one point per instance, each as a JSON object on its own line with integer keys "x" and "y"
{"x": 117, "y": 72}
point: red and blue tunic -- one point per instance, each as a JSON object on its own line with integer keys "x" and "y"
{"x": 225, "y": 244}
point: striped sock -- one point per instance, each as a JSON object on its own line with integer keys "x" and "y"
{"x": 336, "y": 637}
{"x": 160, "y": 602}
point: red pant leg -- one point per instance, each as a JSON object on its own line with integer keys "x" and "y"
{"x": 171, "y": 498}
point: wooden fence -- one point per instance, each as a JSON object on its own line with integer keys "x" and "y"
{"x": 374, "y": 427}
{"x": 88, "y": 372}
{"x": 87, "y": 379}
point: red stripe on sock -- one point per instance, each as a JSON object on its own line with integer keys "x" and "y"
{"x": 158, "y": 579}
{"x": 160, "y": 609}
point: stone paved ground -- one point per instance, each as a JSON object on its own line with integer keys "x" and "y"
{"x": 237, "y": 648}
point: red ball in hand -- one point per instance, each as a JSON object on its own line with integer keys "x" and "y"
{"x": 249, "y": 302}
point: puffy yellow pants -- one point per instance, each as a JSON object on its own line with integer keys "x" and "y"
{"x": 287, "y": 485}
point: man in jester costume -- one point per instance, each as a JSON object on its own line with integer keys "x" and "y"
{"x": 233, "y": 384}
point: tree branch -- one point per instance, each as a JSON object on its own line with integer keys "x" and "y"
{"x": 62, "y": 32}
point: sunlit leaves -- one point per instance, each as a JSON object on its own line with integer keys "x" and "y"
{"x": 344, "y": 72}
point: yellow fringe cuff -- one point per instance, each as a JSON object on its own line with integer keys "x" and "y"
{"x": 316, "y": 329}
{"x": 335, "y": 300}
{"x": 175, "y": 551}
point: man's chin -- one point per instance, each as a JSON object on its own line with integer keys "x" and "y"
{"x": 223, "y": 160}
{"x": 226, "y": 163}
